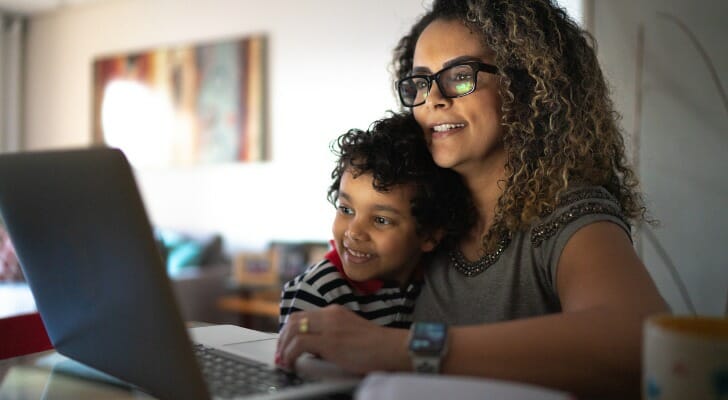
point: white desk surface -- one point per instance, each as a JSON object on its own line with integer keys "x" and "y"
{"x": 15, "y": 299}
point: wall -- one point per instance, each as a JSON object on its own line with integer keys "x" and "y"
{"x": 677, "y": 122}
{"x": 328, "y": 69}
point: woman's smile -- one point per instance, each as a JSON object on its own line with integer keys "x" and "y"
{"x": 440, "y": 131}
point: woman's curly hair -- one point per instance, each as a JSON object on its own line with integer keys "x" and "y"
{"x": 394, "y": 152}
{"x": 561, "y": 129}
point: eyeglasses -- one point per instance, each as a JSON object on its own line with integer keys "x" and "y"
{"x": 454, "y": 81}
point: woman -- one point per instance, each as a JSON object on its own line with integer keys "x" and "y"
{"x": 547, "y": 288}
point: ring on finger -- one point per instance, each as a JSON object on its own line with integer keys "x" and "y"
{"x": 303, "y": 325}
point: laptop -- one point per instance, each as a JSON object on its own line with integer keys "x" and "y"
{"x": 86, "y": 247}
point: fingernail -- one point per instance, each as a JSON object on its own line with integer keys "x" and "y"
{"x": 279, "y": 359}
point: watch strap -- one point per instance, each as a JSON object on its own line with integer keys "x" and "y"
{"x": 426, "y": 364}
{"x": 428, "y": 346}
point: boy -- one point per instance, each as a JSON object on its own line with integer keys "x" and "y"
{"x": 394, "y": 206}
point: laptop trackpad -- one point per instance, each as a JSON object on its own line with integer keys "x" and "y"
{"x": 260, "y": 350}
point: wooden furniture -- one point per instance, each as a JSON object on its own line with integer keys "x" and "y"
{"x": 257, "y": 278}
{"x": 256, "y": 305}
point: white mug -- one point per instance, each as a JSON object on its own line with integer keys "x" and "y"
{"x": 685, "y": 357}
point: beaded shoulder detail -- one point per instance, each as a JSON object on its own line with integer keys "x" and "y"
{"x": 576, "y": 209}
{"x": 581, "y": 194}
{"x": 472, "y": 268}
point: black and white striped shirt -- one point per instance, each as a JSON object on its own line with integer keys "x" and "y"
{"x": 325, "y": 283}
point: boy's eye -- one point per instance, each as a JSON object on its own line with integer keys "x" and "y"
{"x": 382, "y": 221}
{"x": 345, "y": 210}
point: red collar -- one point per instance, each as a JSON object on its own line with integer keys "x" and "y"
{"x": 366, "y": 287}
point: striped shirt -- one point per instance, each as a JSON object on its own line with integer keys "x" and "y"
{"x": 325, "y": 283}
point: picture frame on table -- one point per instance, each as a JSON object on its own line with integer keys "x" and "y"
{"x": 254, "y": 269}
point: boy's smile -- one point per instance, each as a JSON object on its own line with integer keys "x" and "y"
{"x": 354, "y": 256}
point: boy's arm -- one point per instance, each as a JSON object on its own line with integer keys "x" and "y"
{"x": 306, "y": 291}
{"x": 299, "y": 296}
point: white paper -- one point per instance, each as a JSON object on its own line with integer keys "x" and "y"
{"x": 403, "y": 386}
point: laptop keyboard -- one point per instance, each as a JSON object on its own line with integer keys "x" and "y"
{"x": 230, "y": 377}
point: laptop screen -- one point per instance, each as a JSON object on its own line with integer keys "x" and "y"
{"x": 86, "y": 247}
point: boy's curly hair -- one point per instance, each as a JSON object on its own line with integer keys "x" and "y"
{"x": 394, "y": 152}
{"x": 561, "y": 129}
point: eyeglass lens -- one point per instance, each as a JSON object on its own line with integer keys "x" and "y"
{"x": 455, "y": 81}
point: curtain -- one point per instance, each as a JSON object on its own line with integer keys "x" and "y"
{"x": 12, "y": 30}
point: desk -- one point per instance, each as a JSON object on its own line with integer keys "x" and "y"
{"x": 36, "y": 376}
{"x": 15, "y": 299}
{"x": 24, "y": 380}
{"x": 45, "y": 375}
{"x": 33, "y": 377}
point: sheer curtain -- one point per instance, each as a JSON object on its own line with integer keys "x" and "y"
{"x": 12, "y": 29}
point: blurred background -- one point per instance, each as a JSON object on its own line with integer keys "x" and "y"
{"x": 325, "y": 70}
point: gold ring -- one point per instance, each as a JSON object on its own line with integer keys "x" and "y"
{"x": 303, "y": 325}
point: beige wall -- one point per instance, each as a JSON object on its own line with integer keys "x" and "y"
{"x": 682, "y": 137}
{"x": 315, "y": 47}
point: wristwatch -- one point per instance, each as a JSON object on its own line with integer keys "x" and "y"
{"x": 427, "y": 346}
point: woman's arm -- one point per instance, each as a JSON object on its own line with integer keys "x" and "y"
{"x": 592, "y": 348}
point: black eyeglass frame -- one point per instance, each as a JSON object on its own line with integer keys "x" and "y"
{"x": 475, "y": 65}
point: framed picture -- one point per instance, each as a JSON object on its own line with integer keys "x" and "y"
{"x": 184, "y": 105}
{"x": 254, "y": 269}
{"x": 292, "y": 258}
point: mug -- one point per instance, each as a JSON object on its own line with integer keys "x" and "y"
{"x": 685, "y": 357}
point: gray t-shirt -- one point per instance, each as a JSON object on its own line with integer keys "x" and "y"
{"x": 522, "y": 281}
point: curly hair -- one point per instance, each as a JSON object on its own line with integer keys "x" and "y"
{"x": 560, "y": 126}
{"x": 394, "y": 152}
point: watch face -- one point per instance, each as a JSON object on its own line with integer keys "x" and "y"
{"x": 428, "y": 337}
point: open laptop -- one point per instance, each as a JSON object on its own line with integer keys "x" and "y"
{"x": 86, "y": 246}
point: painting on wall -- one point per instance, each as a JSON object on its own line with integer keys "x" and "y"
{"x": 196, "y": 104}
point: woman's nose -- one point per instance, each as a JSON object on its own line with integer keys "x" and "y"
{"x": 435, "y": 97}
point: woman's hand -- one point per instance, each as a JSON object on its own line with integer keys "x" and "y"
{"x": 336, "y": 334}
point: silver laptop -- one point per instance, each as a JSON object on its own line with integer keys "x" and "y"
{"x": 85, "y": 244}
